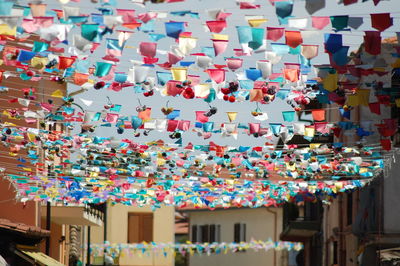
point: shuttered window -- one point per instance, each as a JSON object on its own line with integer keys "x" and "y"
{"x": 239, "y": 233}
{"x": 206, "y": 233}
{"x": 140, "y": 227}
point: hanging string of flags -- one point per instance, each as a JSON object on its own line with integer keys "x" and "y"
{"x": 163, "y": 249}
{"x": 62, "y": 44}
{"x": 206, "y": 192}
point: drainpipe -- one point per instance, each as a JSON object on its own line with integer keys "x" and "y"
{"x": 88, "y": 247}
{"x": 105, "y": 230}
{"x": 48, "y": 222}
{"x": 275, "y": 230}
{"x": 342, "y": 252}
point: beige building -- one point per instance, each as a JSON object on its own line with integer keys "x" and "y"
{"x": 236, "y": 225}
{"x": 128, "y": 224}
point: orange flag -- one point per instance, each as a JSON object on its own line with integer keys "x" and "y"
{"x": 293, "y": 38}
{"x": 318, "y": 115}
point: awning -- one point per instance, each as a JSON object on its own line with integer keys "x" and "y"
{"x": 38, "y": 257}
{"x": 391, "y": 254}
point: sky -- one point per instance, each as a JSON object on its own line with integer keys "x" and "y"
{"x": 129, "y": 100}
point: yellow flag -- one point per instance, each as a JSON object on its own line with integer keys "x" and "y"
{"x": 314, "y": 145}
{"x": 179, "y": 73}
{"x": 256, "y": 22}
{"x": 353, "y": 100}
{"x": 330, "y": 82}
{"x": 396, "y": 64}
{"x": 363, "y": 96}
{"x": 290, "y": 167}
{"x": 398, "y": 102}
{"x": 57, "y": 94}
{"x": 222, "y": 37}
{"x": 6, "y": 30}
{"x": 38, "y": 62}
{"x": 309, "y": 131}
{"x": 231, "y": 116}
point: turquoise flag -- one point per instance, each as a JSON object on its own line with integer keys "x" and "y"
{"x": 90, "y": 32}
{"x": 258, "y": 36}
{"x": 102, "y": 69}
{"x": 40, "y": 47}
{"x": 245, "y": 34}
{"x": 288, "y": 116}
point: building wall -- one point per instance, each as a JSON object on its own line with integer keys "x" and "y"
{"x": 28, "y": 213}
{"x": 391, "y": 210}
{"x": 335, "y": 215}
{"x": 117, "y": 232}
{"x": 260, "y": 225}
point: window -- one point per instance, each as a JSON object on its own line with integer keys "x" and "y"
{"x": 239, "y": 232}
{"x": 206, "y": 233}
{"x": 140, "y": 227}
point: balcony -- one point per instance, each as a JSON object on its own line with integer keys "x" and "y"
{"x": 89, "y": 215}
{"x": 301, "y": 223}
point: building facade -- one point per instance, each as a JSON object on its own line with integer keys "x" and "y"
{"x": 129, "y": 224}
{"x": 237, "y": 225}
{"x": 359, "y": 227}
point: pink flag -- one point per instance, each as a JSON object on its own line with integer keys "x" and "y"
{"x": 219, "y": 46}
{"x": 195, "y": 80}
{"x": 148, "y": 49}
{"x": 128, "y": 15}
{"x": 254, "y": 127}
{"x": 173, "y": 58}
{"x": 222, "y": 15}
{"x": 320, "y": 22}
{"x": 275, "y": 34}
{"x": 234, "y": 63}
{"x": 112, "y": 118}
{"x": 201, "y": 117}
{"x": 248, "y": 5}
{"x": 217, "y": 75}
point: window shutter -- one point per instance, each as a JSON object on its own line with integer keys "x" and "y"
{"x": 140, "y": 227}
{"x": 147, "y": 227}
{"x": 204, "y": 233}
{"x": 218, "y": 234}
{"x": 236, "y": 233}
{"x": 212, "y": 233}
{"x": 133, "y": 228}
{"x": 194, "y": 234}
{"x": 243, "y": 233}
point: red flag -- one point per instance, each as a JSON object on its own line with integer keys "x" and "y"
{"x": 372, "y": 41}
{"x": 216, "y": 25}
{"x": 349, "y": 2}
{"x": 381, "y": 21}
{"x": 65, "y": 62}
{"x": 375, "y": 108}
{"x": 386, "y": 144}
